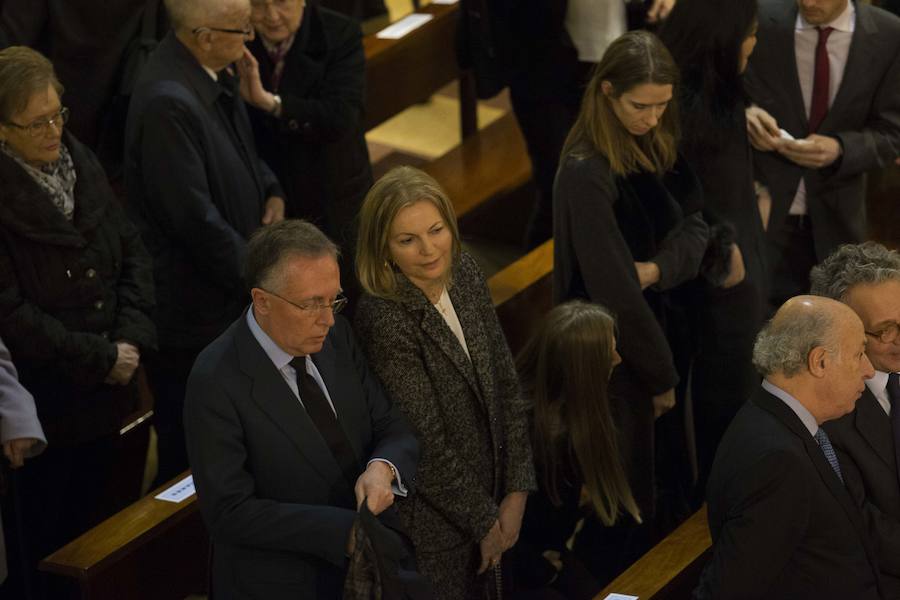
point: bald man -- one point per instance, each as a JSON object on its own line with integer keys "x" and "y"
{"x": 783, "y": 524}
{"x": 197, "y": 189}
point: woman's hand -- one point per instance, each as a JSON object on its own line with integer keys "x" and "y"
{"x": 762, "y": 129}
{"x": 491, "y": 548}
{"x": 663, "y": 403}
{"x": 16, "y": 449}
{"x": 251, "y": 87}
{"x": 648, "y": 273}
{"x": 127, "y": 361}
{"x": 736, "y": 271}
{"x": 511, "y": 510}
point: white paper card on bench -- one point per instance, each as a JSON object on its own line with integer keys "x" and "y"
{"x": 179, "y": 492}
{"x": 620, "y": 597}
{"x": 444, "y": 1}
{"x": 397, "y": 30}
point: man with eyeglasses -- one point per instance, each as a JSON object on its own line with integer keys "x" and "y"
{"x": 866, "y": 277}
{"x": 197, "y": 189}
{"x": 288, "y": 430}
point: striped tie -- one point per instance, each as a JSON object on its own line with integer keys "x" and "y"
{"x": 828, "y": 451}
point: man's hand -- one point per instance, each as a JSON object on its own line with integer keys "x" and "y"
{"x": 274, "y": 211}
{"x": 511, "y": 510}
{"x": 16, "y": 449}
{"x": 252, "y": 90}
{"x": 763, "y": 129}
{"x": 127, "y": 361}
{"x": 814, "y": 152}
{"x": 374, "y": 486}
{"x": 648, "y": 273}
{"x": 659, "y": 10}
{"x": 491, "y": 548}
{"x": 663, "y": 403}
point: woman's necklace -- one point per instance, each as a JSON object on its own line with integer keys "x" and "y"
{"x": 441, "y": 305}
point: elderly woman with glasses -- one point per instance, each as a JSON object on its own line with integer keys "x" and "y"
{"x": 304, "y": 74}
{"x": 431, "y": 335}
{"x": 75, "y": 293}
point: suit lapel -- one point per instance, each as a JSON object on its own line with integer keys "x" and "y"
{"x": 874, "y": 426}
{"x": 342, "y": 398}
{"x": 783, "y": 24}
{"x": 272, "y": 395}
{"x": 856, "y": 71}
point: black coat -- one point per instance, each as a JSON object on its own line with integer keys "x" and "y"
{"x": 317, "y": 147}
{"x": 602, "y": 224}
{"x": 782, "y": 524}
{"x": 196, "y": 190}
{"x": 68, "y": 291}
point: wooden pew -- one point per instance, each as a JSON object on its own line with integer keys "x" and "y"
{"x": 671, "y": 569}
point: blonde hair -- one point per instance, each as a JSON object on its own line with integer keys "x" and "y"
{"x": 398, "y": 188}
{"x": 565, "y": 369}
{"x": 635, "y": 58}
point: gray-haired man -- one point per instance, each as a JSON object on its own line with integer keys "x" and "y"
{"x": 866, "y": 277}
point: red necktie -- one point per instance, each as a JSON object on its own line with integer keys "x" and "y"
{"x": 818, "y": 108}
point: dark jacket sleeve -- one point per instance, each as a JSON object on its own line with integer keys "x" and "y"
{"x": 336, "y": 107}
{"x": 181, "y": 202}
{"x": 392, "y": 347}
{"x": 587, "y": 192}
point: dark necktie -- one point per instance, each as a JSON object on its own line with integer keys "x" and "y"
{"x": 893, "y": 393}
{"x": 323, "y": 418}
{"x": 828, "y": 451}
{"x": 818, "y": 107}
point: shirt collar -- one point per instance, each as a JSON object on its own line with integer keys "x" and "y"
{"x": 802, "y": 413}
{"x": 211, "y": 73}
{"x": 878, "y": 383}
{"x": 279, "y": 357}
{"x": 846, "y": 21}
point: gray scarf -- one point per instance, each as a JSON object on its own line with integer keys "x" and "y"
{"x": 56, "y": 178}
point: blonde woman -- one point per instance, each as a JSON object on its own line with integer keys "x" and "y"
{"x": 431, "y": 335}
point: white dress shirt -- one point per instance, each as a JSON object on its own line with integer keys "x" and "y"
{"x": 809, "y": 421}
{"x": 806, "y": 38}
{"x": 878, "y": 386}
{"x": 593, "y": 25}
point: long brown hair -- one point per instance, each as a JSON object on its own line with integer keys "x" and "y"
{"x": 565, "y": 368}
{"x": 635, "y": 58}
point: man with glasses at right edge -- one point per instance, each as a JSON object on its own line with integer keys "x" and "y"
{"x": 197, "y": 190}
{"x": 866, "y": 277}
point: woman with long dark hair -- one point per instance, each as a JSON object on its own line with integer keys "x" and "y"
{"x": 627, "y": 228}
{"x": 711, "y": 42}
{"x": 565, "y": 369}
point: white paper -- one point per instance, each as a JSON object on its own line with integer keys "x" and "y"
{"x": 397, "y": 30}
{"x": 620, "y": 597}
{"x": 179, "y": 492}
{"x": 444, "y": 1}
{"x": 785, "y": 135}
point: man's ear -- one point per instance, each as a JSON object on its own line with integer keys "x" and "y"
{"x": 260, "y": 301}
{"x": 816, "y": 361}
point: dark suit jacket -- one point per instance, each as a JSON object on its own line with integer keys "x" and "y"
{"x": 865, "y": 446}
{"x": 196, "y": 189}
{"x": 865, "y": 117}
{"x": 273, "y": 497}
{"x": 469, "y": 414}
{"x": 782, "y": 524}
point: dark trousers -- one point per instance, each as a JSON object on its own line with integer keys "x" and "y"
{"x": 53, "y": 499}
{"x": 545, "y": 100}
{"x": 791, "y": 260}
{"x": 167, "y": 374}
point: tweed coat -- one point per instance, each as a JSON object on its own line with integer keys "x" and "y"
{"x": 470, "y": 416}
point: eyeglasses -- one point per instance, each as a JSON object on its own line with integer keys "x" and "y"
{"x": 336, "y": 306}
{"x": 246, "y": 31}
{"x": 42, "y": 126}
{"x": 262, "y": 6}
{"x": 887, "y": 335}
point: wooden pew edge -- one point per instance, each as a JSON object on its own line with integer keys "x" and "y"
{"x": 531, "y": 268}
{"x": 61, "y": 561}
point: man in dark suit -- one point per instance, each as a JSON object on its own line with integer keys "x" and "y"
{"x": 866, "y": 277}
{"x": 287, "y": 428}
{"x": 197, "y": 190}
{"x": 826, "y": 72}
{"x": 782, "y": 523}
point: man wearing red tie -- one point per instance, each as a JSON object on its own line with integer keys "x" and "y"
{"x": 826, "y": 108}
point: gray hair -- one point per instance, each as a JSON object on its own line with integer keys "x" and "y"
{"x": 854, "y": 264}
{"x": 269, "y": 245}
{"x": 784, "y": 344}
{"x": 23, "y": 73}
{"x": 188, "y": 14}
